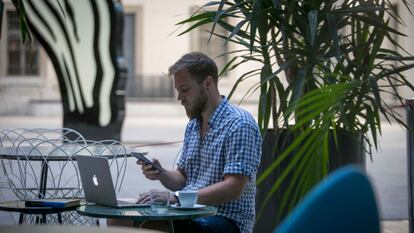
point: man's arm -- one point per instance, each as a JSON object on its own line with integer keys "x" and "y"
{"x": 230, "y": 189}
{"x": 242, "y": 159}
{"x": 173, "y": 180}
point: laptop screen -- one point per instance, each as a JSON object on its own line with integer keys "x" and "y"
{"x": 97, "y": 180}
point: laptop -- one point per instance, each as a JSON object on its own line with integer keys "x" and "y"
{"x": 97, "y": 182}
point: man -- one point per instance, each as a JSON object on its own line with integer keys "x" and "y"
{"x": 221, "y": 150}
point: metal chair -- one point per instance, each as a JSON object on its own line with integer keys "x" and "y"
{"x": 48, "y": 169}
{"x": 12, "y": 137}
{"x": 21, "y": 148}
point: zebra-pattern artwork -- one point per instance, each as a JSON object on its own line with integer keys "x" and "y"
{"x": 83, "y": 38}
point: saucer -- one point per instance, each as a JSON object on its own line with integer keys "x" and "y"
{"x": 195, "y": 207}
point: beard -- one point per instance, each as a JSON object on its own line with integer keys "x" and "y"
{"x": 198, "y": 106}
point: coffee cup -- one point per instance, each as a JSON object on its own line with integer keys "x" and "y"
{"x": 187, "y": 198}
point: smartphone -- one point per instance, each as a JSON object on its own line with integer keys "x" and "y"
{"x": 141, "y": 157}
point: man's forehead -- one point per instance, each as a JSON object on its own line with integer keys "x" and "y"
{"x": 183, "y": 77}
{"x": 182, "y": 72}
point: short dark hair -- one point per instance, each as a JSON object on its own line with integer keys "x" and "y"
{"x": 199, "y": 65}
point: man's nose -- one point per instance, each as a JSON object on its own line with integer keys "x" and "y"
{"x": 179, "y": 96}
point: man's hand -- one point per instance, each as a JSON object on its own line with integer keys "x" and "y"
{"x": 144, "y": 198}
{"x": 172, "y": 180}
{"x": 149, "y": 171}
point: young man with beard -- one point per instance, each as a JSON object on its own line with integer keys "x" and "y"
{"x": 221, "y": 150}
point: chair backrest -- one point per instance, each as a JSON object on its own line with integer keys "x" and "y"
{"x": 343, "y": 202}
{"x": 62, "y": 176}
{"x": 12, "y": 137}
{"x": 25, "y": 173}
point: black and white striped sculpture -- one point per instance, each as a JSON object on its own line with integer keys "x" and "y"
{"x": 84, "y": 41}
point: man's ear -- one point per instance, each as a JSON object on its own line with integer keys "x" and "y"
{"x": 209, "y": 82}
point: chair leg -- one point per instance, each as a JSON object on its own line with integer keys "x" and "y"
{"x": 171, "y": 226}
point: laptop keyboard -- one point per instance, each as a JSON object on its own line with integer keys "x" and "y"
{"x": 130, "y": 204}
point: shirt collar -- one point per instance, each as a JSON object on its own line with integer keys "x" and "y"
{"x": 215, "y": 117}
{"x": 218, "y": 112}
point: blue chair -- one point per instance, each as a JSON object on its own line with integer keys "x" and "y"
{"x": 342, "y": 203}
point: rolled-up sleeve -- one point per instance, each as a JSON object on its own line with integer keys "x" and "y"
{"x": 243, "y": 151}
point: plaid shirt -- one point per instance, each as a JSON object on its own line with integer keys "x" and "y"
{"x": 232, "y": 145}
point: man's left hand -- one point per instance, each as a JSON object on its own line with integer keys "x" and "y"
{"x": 144, "y": 198}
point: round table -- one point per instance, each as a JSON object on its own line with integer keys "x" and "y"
{"x": 68, "y": 229}
{"x": 20, "y": 207}
{"x": 145, "y": 213}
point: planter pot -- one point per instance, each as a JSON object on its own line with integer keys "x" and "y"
{"x": 349, "y": 150}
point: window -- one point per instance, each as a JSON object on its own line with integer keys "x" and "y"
{"x": 22, "y": 59}
{"x": 215, "y": 47}
{"x": 141, "y": 86}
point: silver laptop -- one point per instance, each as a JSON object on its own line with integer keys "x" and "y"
{"x": 97, "y": 182}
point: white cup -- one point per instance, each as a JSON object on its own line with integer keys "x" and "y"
{"x": 188, "y": 198}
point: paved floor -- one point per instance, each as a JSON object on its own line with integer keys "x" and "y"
{"x": 387, "y": 168}
{"x": 394, "y": 226}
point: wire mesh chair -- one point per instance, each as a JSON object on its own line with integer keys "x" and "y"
{"x": 36, "y": 176}
{"x": 10, "y": 138}
{"x": 48, "y": 169}
{"x": 20, "y": 151}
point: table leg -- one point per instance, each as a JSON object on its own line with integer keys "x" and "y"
{"x": 60, "y": 218}
{"x": 44, "y": 218}
{"x": 171, "y": 226}
{"x": 140, "y": 224}
{"x": 43, "y": 180}
{"x": 21, "y": 219}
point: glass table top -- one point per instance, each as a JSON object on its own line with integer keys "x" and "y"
{"x": 20, "y": 206}
{"x": 144, "y": 213}
{"x": 53, "y": 153}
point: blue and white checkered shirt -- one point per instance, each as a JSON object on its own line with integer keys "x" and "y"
{"x": 232, "y": 145}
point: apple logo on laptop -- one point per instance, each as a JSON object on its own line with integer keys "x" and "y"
{"x": 95, "y": 180}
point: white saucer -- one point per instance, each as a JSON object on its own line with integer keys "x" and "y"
{"x": 195, "y": 207}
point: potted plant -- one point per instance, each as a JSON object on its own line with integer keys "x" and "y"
{"x": 323, "y": 74}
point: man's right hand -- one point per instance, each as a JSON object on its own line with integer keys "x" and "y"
{"x": 172, "y": 180}
{"x": 149, "y": 171}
